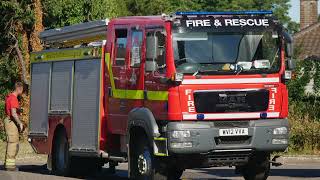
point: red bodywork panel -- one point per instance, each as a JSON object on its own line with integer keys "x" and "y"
{"x": 44, "y": 145}
{"x": 275, "y": 96}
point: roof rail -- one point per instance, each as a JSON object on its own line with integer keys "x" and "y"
{"x": 252, "y": 12}
{"x": 76, "y": 34}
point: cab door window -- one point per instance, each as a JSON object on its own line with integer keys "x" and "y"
{"x": 121, "y": 44}
{"x": 136, "y": 46}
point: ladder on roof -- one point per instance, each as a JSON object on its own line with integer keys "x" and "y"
{"x": 78, "y": 34}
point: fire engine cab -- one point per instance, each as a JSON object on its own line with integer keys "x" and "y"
{"x": 163, "y": 93}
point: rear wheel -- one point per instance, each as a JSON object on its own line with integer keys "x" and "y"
{"x": 60, "y": 155}
{"x": 63, "y": 164}
{"x": 258, "y": 167}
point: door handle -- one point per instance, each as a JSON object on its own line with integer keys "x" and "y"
{"x": 109, "y": 91}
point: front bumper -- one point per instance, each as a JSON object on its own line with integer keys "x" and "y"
{"x": 204, "y": 136}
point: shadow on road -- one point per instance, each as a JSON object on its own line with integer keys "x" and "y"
{"x": 286, "y": 173}
{"x": 221, "y": 173}
{"x": 296, "y": 173}
{"x": 42, "y": 170}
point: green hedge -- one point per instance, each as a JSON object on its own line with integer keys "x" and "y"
{"x": 304, "y": 110}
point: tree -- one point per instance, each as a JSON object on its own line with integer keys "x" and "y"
{"x": 17, "y": 20}
{"x": 60, "y": 13}
{"x": 293, "y": 27}
{"x": 156, "y": 7}
{"x": 20, "y": 25}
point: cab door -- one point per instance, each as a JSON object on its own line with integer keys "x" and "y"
{"x": 118, "y": 79}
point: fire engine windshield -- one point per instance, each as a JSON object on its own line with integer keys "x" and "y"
{"x": 226, "y": 53}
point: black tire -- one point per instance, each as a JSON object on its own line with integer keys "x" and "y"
{"x": 63, "y": 164}
{"x": 84, "y": 166}
{"x": 174, "y": 173}
{"x": 143, "y": 165}
{"x": 258, "y": 167}
{"x": 60, "y": 155}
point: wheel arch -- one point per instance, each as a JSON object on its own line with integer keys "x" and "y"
{"x": 142, "y": 119}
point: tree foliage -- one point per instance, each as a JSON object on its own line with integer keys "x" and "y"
{"x": 60, "y": 13}
{"x": 16, "y": 17}
{"x": 146, "y": 7}
{"x": 306, "y": 71}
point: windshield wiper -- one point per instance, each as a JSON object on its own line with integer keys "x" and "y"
{"x": 234, "y": 68}
{"x": 201, "y": 71}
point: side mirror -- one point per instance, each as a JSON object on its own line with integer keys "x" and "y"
{"x": 152, "y": 49}
{"x": 289, "y": 50}
{"x": 290, "y": 64}
{"x": 151, "y": 66}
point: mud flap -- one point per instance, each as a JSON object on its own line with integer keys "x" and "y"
{"x": 49, "y": 162}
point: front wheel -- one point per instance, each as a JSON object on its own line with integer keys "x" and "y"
{"x": 174, "y": 173}
{"x": 143, "y": 164}
{"x": 258, "y": 167}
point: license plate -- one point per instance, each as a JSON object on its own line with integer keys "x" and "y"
{"x": 233, "y": 132}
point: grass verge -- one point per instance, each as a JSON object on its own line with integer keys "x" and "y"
{"x": 25, "y": 152}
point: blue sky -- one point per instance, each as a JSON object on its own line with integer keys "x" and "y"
{"x": 294, "y": 11}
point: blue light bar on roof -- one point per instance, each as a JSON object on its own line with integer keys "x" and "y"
{"x": 224, "y": 13}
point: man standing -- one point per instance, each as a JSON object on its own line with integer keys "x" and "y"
{"x": 13, "y": 126}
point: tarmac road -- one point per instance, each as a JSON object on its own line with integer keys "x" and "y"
{"x": 33, "y": 169}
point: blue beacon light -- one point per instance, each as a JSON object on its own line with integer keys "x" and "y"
{"x": 200, "y": 116}
{"x": 253, "y": 12}
{"x": 263, "y": 115}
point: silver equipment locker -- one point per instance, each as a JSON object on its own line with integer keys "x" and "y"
{"x": 40, "y": 83}
{"x": 85, "y": 120}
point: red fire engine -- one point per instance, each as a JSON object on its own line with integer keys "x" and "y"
{"x": 163, "y": 93}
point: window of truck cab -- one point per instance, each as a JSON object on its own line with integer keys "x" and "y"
{"x": 209, "y": 52}
{"x": 121, "y": 40}
{"x": 136, "y": 47}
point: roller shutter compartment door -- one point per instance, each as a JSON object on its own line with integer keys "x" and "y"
{"x": 40, "y": 80}
{"x": 61, "y": 84}
{"x": 85, "y": 121}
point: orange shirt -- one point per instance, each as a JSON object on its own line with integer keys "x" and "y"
{"x": 11, "y": 102}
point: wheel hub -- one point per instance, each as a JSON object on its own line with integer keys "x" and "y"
{"x": 144, "y": 163}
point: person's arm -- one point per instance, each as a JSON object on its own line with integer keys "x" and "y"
{"x": 16, "y": 118}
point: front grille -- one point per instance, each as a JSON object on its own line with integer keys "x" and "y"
{"x": 233, "y": 140}
{"x": 231, "y": 124}
{"x": 228, "y": 158}
{"x": 231, "y": 101}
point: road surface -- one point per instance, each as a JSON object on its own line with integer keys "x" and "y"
{"x": 35, "y": 169}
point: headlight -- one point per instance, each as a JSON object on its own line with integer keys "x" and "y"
{"x": 181, "y": 134}
{"x": 280, "y": 130}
